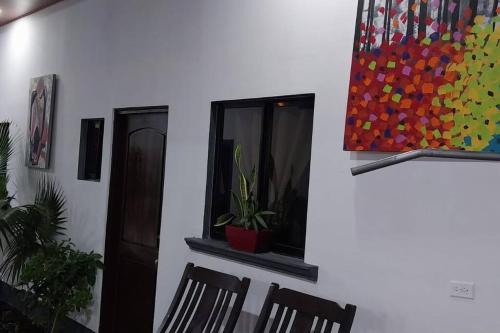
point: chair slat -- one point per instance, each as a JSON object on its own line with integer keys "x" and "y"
{"x": 223, "y": 311}
{"x": 192, "y": 307}
{"x": 329, "y": 326}
{"x": 177, "y": 299}
{"x": 286, "y": 320}
{"x": 302, "y": 323}
{"x": 215, "y": 312}
{"x": 319, "y": 325}
{"x": 204, "y": 309}
{"x": 277, "y": 319}
{"x": 237, "y": 306}
{"x": 185, "y": 304}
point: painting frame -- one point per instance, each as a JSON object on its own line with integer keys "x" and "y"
{"x": 42, "y": 99}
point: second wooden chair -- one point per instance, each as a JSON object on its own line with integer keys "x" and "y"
{"x": 311, "y": 314}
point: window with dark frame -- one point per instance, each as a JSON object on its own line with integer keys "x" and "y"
{"x": 275, "y": 135}
{"x": 90, "y": 157}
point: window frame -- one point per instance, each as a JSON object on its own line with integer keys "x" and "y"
{"x": 216, "y": 133}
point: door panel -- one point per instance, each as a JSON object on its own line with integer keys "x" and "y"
{"x": 134, "y": 218}
{"x": 141, "y": 201}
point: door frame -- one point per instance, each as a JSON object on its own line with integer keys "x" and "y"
{"x": 112, "y": 224}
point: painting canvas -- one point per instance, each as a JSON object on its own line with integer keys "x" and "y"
{"x": 41, "y": 103}
{"x": 425, "y": 74}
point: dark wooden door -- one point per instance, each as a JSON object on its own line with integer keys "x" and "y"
{"x": 134, "y": 215}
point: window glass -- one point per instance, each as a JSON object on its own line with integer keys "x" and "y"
{"x": 275, "y": 136}
{"x": 289, "y": 174}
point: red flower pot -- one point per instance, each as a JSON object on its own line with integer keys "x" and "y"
{"x": 248, "y": 240}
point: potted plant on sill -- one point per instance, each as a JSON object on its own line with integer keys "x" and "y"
{"x": 246, "y": 230}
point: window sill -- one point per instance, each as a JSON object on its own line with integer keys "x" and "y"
{"x": 273, "y": 261}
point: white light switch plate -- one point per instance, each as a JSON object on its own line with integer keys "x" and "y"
{"x": 462, "y": 289}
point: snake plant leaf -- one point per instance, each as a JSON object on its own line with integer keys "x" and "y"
{"x": 243, "y": 187}
{"x": 247, "y": 207}
{"x": 237, "y": 156}
{"x": 254, "y": 225}
{"x": 244, "y": 222}
{"x": 261, "y": 221}
{"x": 251, "y": 207}
{"x": 224, "y": 219}
{"x": 242, "y": 178}
{"x": 239, "y": 204}
{"x": 266, "y": 212}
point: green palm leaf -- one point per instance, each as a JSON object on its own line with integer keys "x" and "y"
{"x": 7, "y": 143}
{"x": 49, "y": 202}
{"x": 32, "y": 226}
{"x": 23, "y": 242}
{"x": 6, "y": 152}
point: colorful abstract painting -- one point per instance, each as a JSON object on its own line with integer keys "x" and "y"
{"x": 425, "y": 74}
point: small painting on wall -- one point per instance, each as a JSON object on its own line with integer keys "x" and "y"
{"x": 41, "y": 103}
{"x": 425, "y": 74}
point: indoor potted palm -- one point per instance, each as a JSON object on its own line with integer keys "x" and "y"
{"x": 246, "y": 230}
{"x": 56, "y": 279}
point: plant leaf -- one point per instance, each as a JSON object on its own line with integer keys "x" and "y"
{"x": 32, "y": 227}
{"x": 239, "y": 205}
{"x": 254, "y": 225}
{"x": 266, "y": 212}
{"x": 261, "y": 221}
{"x": 224, "y": 219}
{"x": 243, "y": 187}
{"x": 237, "y": 156}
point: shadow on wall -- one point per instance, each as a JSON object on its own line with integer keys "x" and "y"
{"x": 372, "y": 322}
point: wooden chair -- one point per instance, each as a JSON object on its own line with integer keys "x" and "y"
{"x": 202, "y": 301}
{"x": 311, "y": 314}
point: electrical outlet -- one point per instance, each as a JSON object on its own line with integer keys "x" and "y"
{"x": 462, "y": 289}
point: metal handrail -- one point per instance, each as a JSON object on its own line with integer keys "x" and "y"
{"x": 411, "y": 155}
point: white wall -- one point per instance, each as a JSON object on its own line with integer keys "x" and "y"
{"x": 388, "y": 241}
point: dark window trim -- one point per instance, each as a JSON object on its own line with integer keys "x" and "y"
{"x": 276, "y": 262}
{"x": 82, "y": 158}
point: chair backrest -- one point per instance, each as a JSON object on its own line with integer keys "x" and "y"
{"x": 202, "y": 301}
{"x": 298, "y": 312}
